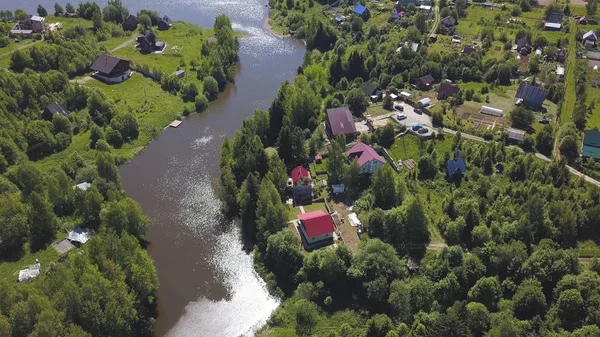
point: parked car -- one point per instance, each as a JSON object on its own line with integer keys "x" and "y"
{"x": 544, "y": 121}
{"x": 419, "y": 111}
{"x": 417, "y": 127}
{"x": 401, "y": 117}
{"x": 422, "y": 130}
{"x": 399, "y": 107}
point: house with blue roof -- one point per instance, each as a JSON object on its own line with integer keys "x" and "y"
{"x": 361, "y": 11}
{"x": 456, "y": 166}
{"x": 591, "y": 144}
{"x": 531, "y": 96}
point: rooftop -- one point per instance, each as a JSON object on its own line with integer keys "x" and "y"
{"x": 299, "y": 173}
{"x": 316, "y": 223}
{"x": 340, "y": 121}
{"x": 364, "y": 153}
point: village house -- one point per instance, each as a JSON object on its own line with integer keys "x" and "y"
{"x": 299, "y": 173}
{"x": 531, "y": 96}
{"x": 130, "y": 23}
{"x": 179, "y": 73}
{"x": 455, "y": 166}
{"x": 583, "y": 20}
{"x": 397, "y": 12}
{"x": 367, "y": 159}
{"x": 447, "y": 25}
{"x": 446, "y": 91}
{"x": 560, "y": 73}
{"x": 433, "y": 38}
{"x": 554, "y": 21}
{"x": 361, "y": 11}
{"x": 425, "y": 82}
{"x": 147, "y": 43}
{"x": 53, "y": 109}
{"x": 338, "y": 121}
{"x": 468, "y": 50}
{"x": 524, "y": 45}
{"x": 561, "y": 56}
{"x": 111, "y": 69}
{"x": 165, "y": 23}
{"x": 589, "y": 39}
{"x": 371, "y": 90}
{"x": 317, "y": 228}
{"x": 591, "y": 144}
{"x": 32, "y": 25}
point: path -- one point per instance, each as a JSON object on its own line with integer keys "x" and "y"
{"x": 436, "y": 23}
{"x": 568, "y": 106}
{"x": 436, "y": 245}
{"x": 122, "y": 45}
{"x": 20, "y": 48}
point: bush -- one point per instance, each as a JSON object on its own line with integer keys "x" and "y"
{"x": 201, "y": 103}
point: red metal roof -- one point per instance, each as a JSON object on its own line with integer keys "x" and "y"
{"x": 316, "y": 223}
{"x": 299, "y": 173}
{"x": 364, "y": 154}
{"x": 340, "y": 121}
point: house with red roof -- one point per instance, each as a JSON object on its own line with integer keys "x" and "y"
{"x": 299, "y": 173}
{"x": 338, "y": 121}
{"x": 316, "y": 227}
{"x": 367, "y": 159}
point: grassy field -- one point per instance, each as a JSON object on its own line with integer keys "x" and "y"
{"x": 10, "y": 270}
{"x": 569, "y": 100}
{"x": 153, "y": 107}
{"x": 376, "y": 110}
{"x": 315, "y": 206}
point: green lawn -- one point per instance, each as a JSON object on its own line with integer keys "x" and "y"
{"x": 10, "y": 270}
{"x": 186, "y": 37}
{"x": 153, "y": 107}
{"x": 571, "y": 64}
{"x": 377, "y": 110}
{"x": 593, "y": 95}
{"x": 315, "y": 206}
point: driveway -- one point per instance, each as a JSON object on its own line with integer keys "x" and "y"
{"x": 412, "y": 117}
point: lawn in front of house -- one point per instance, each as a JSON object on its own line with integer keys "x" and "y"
{"x": 315, "y": 206}
{"x": 153, "y": 107}
{"x": 376, "y": 110}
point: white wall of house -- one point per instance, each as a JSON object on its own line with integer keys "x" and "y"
{"x": 370, "y": 167}
{"x": 315, "y": 239}
{"x": 114, "y": 79}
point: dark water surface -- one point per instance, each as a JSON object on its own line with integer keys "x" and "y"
{"x": 208, "y": 286}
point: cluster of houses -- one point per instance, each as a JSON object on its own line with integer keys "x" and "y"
{"x": 131, "y": 23}
{"x": 400, "y": 7}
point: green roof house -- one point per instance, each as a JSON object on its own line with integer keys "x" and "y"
{"x": 591, "y": 144}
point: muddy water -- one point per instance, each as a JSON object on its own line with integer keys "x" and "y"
{"x": 208, "y": 286}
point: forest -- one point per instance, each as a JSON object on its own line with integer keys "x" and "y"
{"x": 108, "y": 286}
{"x": 511, "y": 224}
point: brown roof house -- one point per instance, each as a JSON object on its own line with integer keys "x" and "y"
{"x": 524, "y": 45}
{"x": 165, "y": 23}
{"x": 425, "y": 82}
{"x": 111, "y": 69}
{"x": 338, "y": 121}
{"x": 53, "y": 109}
{"x": 130, "y": 23}
{"x": 34, "y": 24}
{"x": 446, "y": 91}
{"x": 148, "y": 44}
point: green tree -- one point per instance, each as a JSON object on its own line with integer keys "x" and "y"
{"x": 283, "y": 256}
{"x": 529, "y": 300}
{"x": 69, "y": 8}
{"x": 58, "y": 10}
{"x": 384, "y": 187}
{"x": 591, "y": 7}
{"x": 13, "y": 224}
{"x": 270, "y": 211}
{"x": 571, "y": 309}
{"x": 41, "y": 11}
{"x": 145, "y": 21}
{"x": 357, "y": 101}
{"x": 544, "y": 140}
{"x": 247, "y": 200}
{"x": 89, "y": 205}
{"x": 478, "y": 318}
{"x": 379, "y": 326}
{"x": 416, "y": 226}
{"x": 486, "y": 291}
{"x": 211, "y": 88}
{"x": 201, "y": 103}
{"x": 521, "y": 118}
{"x": 427, "y": 167}
{"x": 336, "y": 160}
{"x": 306, "y": 317}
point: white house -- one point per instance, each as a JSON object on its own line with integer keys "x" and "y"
{"x": 366, "y": 157}
{"x": 316, "y": 227}
{"x": 560, "y": 73}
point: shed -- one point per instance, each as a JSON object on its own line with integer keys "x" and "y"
{"x": 515, "y": 134}
{"x": 338, "y": 188}
{"x": 79, "y": 235}
{"x": 83, "y": 186}
{"x": 53, "y": 109}
{"x": 179, "y": 73}
{"x": 405, "y": 95}
{"x": 491, "y": 111}
{"x": 533, "y": 97}
{"x": 560, "y": 72}
{"x": 468, "y": 50}
{"x": 590, "y": 36}
{"x": 30, "y": 272}
{"x": 424, "y": 102}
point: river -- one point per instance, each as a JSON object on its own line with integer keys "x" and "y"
{"x": 208, "y": 286}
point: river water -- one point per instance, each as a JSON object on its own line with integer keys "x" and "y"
{"x": 208, "y": 286}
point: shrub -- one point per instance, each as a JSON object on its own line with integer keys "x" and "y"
{"x": 201, "y": 103}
